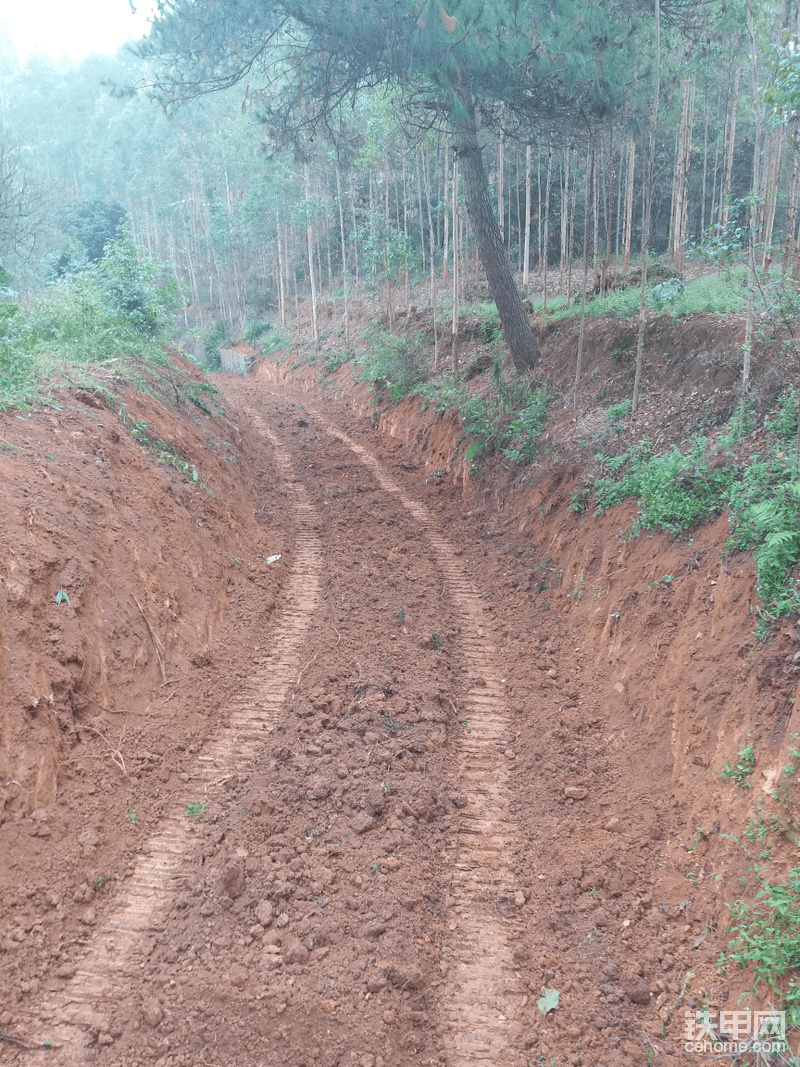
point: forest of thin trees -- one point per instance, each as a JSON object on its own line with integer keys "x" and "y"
{"x": 253, "y": 229}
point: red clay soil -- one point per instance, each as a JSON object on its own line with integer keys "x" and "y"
{"x": 325, "y": 756}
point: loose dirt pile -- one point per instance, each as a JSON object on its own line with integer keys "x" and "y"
{"x": 365, "y": 802}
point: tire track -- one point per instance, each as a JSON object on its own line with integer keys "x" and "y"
{"x": 475, "y": 1003}
{"x": 73, "y": 1016}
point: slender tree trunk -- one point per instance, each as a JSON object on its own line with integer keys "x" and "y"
{"x": 726, "y": 188}
{"x": 310, "y": 239}
{"x": 754, "y": 214}
{"x": 356, "y": 256}
{"x": 629, "y": 203}
{"x": 579, "y": 360}
{"x": 281, "y": 292}
{"x": 456, "y": 266}
{"x": 705, "y": 167}
{"x": 432, "y": 239}
{"x": 345, "y": 318}
{"x": 648, "y": 207}
{"x": 564, "y": 235}
{"x": 793, "y": 197}
{"x": 501, "y": 175}
{"x": 446, "y": 204}
{"x": 514, "y": 320}
{"x": 680, "y": 198}
{"x": 771, "y": 181}
{"x": 547, "y": 226}
{"x": 526, "y": 262}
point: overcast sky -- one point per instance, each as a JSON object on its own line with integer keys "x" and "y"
{"x": 73, "y": 27}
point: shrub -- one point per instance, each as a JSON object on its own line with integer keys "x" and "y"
{"x": 215, "y": 339}
{"x": 392, "y": 363}
{"x": 253, "y": 330}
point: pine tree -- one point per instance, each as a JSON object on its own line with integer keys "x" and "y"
{"x": 511, "y": 64}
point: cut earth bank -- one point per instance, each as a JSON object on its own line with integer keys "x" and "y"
{"x": 364, "y": 803}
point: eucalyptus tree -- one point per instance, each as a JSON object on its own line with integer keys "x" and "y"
{"x": 512, "y": 65}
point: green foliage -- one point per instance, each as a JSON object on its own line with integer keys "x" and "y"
{"x": 784, "y": 424}
{"x": 667, "y": 293}
{"x": 275, "y": 342}
{"x": 195, "y": 809}
{"x": 718, "y": 294}
{"x": 94, "y": 223}
{"x": 743, "y": 768}
{"x": 135, "y": 288}
{"x": 386, "y": 251}
{"x": 115, "y": 307}
{"x": 509, "y": 420}
{"x": 766, "y": 518}
{"x": 617, "y": 412}
{"x": 334, "y": 360}
{"x": 674, "y": 490}
{"x": 216, "y": 338}
{"x": 392, "y": 363}
{"x": 766, "y": 938}
{"x": 253, "y": 329}
{"x": 677, "y": 490}
{"x": 444, "y": 394}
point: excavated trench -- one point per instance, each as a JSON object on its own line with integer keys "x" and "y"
{"x": 433, "y": 795}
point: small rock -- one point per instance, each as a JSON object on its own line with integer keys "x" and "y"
{"x": 152, "y": 1012}
{"x": 257, "y": 931}
{"x": 264, "y": 913}
{"x": 519, "y": 898}
{"x": 635, "y": 988}
{"x": 105, "y": 1039}
{"x": 282, "y": 921}
{"x": 510, "y": 753}
{"x": 233, "y": 881}
{"x": 329, "y": 1006}
{"x": 293, "y": 950}
{"x": 577, "y": 792}
{"x": 613, "y": 825}
{"x": 66, "y": 970}
{"x": 362, "y": 823}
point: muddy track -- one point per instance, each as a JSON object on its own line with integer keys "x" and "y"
{"x": 450, "y": 994}
{"x": 474, "y": 1005}
{"x": 75, "y": 1016}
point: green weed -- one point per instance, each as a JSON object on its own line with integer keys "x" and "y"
{"x": 742, "y": 769}
{"x": 195, "y": 809}
{"x": 766, "y": 938}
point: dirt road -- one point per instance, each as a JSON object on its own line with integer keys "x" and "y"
{"x": 407, "y": 826}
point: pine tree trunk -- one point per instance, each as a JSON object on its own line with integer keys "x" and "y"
{"x": 546, "y": 225}
{"x": 514, "y": 321}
